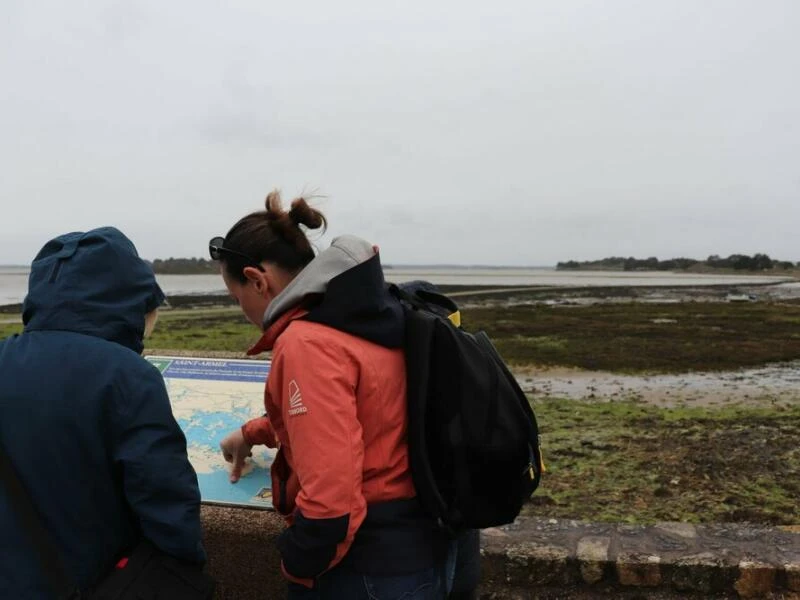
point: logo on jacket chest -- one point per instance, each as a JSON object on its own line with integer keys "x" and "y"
{"x": 296, "y": 406}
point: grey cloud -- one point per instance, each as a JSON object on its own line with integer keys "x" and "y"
{"x": 523, "y": 133}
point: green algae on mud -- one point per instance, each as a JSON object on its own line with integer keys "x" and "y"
{"x": 620, "y": 460}
{"x": 643, "y": 337}
{"x": 632, "y": 337}
{"x": 629, "y": 462}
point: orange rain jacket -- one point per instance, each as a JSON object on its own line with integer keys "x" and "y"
{"x": 336, "y": 405}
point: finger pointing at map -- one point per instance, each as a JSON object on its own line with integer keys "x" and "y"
{"x": 235, "y": 450}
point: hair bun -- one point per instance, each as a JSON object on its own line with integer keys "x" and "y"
{"x": 274, "y": 206}
{"x": 302, "y": 214}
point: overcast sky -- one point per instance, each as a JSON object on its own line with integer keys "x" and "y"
{"x": 511, "y": 132}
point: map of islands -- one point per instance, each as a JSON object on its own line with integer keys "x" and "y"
{"x": 210, "y": 398}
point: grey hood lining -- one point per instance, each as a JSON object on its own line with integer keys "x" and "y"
{"x": 344, "y": 253}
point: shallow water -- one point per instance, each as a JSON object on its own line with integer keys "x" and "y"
{"x": 14, "y": 280}
{"x": 762, "y": 385}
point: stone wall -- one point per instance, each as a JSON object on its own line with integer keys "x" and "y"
{"x": 549, "y": 559}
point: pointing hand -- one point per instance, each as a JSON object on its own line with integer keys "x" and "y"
{"x": 235, "y": 450}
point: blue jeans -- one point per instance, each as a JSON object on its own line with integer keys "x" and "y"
{"x": 343, "y": 583}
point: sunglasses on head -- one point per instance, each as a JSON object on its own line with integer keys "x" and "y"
{"x": 216, "y": 248}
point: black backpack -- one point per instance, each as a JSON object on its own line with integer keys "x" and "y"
{"x": 472, "y": 435}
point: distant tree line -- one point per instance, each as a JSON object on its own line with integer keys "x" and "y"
{"x": 184, "y": 266}
{"x": 737, "y": 262}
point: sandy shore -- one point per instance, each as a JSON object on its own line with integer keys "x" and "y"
{"x": 771, "y": 385}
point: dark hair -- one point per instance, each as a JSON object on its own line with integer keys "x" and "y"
{"x": 273, "y": 235}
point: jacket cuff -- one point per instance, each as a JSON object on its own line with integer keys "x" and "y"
{"x": 259, "y": 431}
{"x": 308, "y": 548}
{"x": 309, "y": 583}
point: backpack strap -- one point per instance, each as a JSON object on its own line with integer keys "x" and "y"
{"x": 417, "y": 349}
{"x": 49, "y": 555}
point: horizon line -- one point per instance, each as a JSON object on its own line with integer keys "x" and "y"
{"x": 394, "y": 266}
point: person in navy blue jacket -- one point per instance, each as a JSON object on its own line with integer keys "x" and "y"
{"x": 86, "y": 420}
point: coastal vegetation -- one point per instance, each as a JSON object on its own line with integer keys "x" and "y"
{"x": 634, "y": 337}
{"x": 643, "y": 337}
{"x": 184, "y": 266}
{"x": 737, "y": 263}
{"x": 626, "y": 460}
{"x": 623, "y": 460}
{"x": 734, "y": 262}
{"x": 631, "y": 462}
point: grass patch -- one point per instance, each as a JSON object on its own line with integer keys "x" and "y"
{"x": 625, "y": 461}
{"x": 221, "y": 329}
{"x": 8, "y": 329}
{"x": 217, "y": 329}
{"x": 640, "y": 337}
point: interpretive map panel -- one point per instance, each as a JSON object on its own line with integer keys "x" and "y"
{"x": 210, "y": 398}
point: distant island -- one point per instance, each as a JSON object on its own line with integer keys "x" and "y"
{"x": 758, "y": 263}
{"x": 735, "y": 262}
{"x": 184, "y": 266}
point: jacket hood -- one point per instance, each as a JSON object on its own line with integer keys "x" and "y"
{"x": 344, "y": 288}
{"x": 92, "y": 283}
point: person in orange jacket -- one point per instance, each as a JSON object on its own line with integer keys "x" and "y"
{"x": 336, "y": 409}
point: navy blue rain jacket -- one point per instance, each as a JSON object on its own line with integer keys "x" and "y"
{"x": 86, "y": 420}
